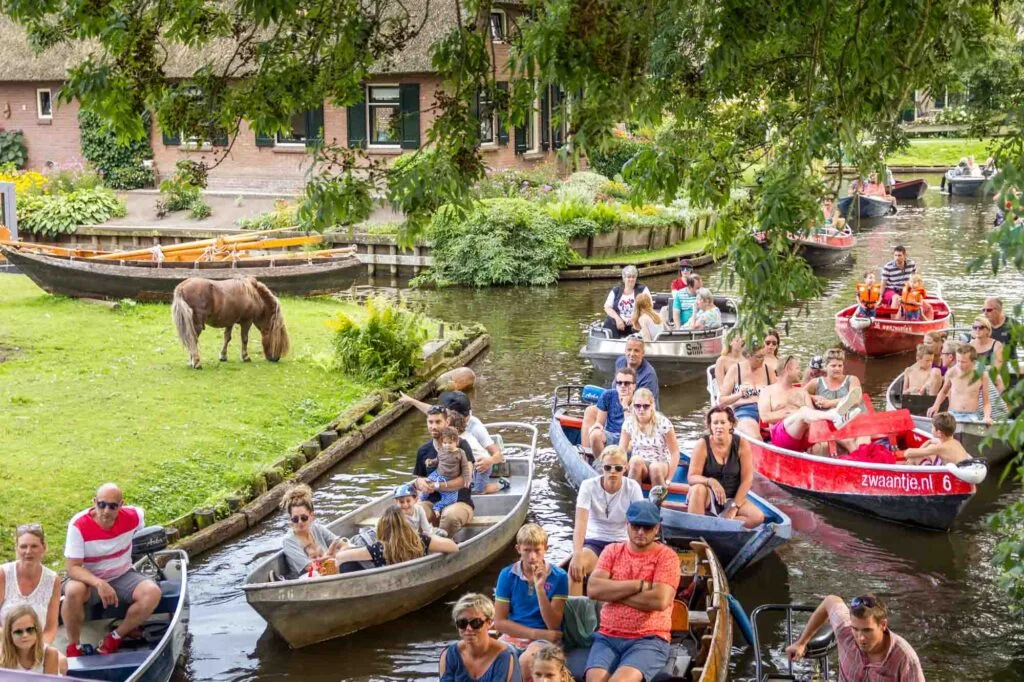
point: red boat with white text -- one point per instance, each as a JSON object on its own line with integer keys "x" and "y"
{"x": 883, "y": 334}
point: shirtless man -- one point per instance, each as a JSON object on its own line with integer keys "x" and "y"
{"x": 787, "y": 408}
{"x": 943, "y": 449}
{"x": 922, "y": 378}
{"x": 963, "y": 388}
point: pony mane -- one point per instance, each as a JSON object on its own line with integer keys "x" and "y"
{"x": 274, "y": 327}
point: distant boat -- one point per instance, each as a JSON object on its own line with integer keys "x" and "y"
{"x": 960, "y": 184}
{"x": 866, "y": 206}
{"x": 821, "y": 250}
{"x": 909, "y": 190}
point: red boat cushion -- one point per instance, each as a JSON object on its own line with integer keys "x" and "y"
{"x": 872, "y": 453}
{"x": 863, "y": 425}
{"x": 570, "y": 422}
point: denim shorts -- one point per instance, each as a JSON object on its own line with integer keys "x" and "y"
{"x": 597, "y": 546}
{"x": 646, "y": 654}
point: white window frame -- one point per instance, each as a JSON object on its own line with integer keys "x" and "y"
{"x": 493, "y": 142}
{"x": 369, "y": 116}
{"x": 504, "y": 25}
{"x": 278, "y": 142}
{"x": 533, "y": 130}
{"x": 39, "y": 103}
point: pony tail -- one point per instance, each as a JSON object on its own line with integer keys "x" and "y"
{"x": 184, "y": 321}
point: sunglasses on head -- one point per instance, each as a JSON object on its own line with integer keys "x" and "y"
{"x": 642, "y": 406}
{"x": 21, "y": 632}
{"x": 100, "y": 504}
{"x": 300, "y": 517}
{"x": 863, "y": 602}
{"x": 28, "y": 528}
{"x": 437, "y": 409}
{"x": 474, "y": 623}
{"x": 614, "y": 467}
{"x": 623, "y": 383}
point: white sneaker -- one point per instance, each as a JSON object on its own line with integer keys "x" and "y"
{"x": 657, "y": 495}
{"x": 850, "y": 401}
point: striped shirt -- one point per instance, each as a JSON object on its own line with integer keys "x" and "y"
{"x": 894, "y": 277}
{"x": 107, "y": 554}
{"x": 899, "y": 665}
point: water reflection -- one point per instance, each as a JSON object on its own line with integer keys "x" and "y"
{"x": 941, "y": 587}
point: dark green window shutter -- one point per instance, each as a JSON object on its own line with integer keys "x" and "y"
{"x": 357, "y": 123}
{"x": 409, "y": 104}
{"x": 171, "y": 140}
{"x": 502, "y": 128}
{"x": 557, "y": 98}
{"x": 315, "y": 126}
{"x": 474, "y": 112}
{"x": 545, "y": 118}
{"x": 220, "y": 140}
{"x": 264, "y": 140}
{"x": 520, "y": 140}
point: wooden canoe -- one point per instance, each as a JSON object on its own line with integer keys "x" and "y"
{"x": 346, "y": 603}
{"x": 149, "y": 281}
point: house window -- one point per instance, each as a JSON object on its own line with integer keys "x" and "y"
{"x": 299, "y": 132}
{"x": 487, "y": 116}
{"x": 44, "y": 103}
{"x": 498, "y": 26}
{"x": 385, "y": 115}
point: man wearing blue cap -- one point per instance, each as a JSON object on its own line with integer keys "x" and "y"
{"x": 638, "y": 580}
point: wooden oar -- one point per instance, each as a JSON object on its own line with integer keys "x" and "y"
{"x": 189, "y": 246}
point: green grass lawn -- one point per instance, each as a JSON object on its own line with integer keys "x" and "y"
{"x": 941, "y": 151}
{"x": 689, "y": 246}
{"x": 89, "y": 394}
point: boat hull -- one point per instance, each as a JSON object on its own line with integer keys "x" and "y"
{"x": 965, "y": 186}
{"x": 156, "y": 282}
{"x": 866, "y": 207}
{"x": 887, "y": 336}
{"x": 823, "y": 255}
{"x": 909, "y": 190}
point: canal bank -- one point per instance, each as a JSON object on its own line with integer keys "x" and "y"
{"x": 942, "y": 590}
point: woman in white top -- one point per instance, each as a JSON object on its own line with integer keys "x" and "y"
{"x": 22, "y": 647}
{"x": 600, "y": 514}
{"x": 645, "y": 319}
{"x": 27, "y": 581}
{"x": 620, "y": 302}
{"x": 651, "y": 441}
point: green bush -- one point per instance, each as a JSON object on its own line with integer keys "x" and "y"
{"x": 199, "y": 208}
{"x": 385, "y": 349}
{"x": 120, "y": 163}
{"x": 53, "y": 214}
{"x": 178, "y": 195}
{"x": 285, "y": 214}
{"x": 501, "y": 241}
{"x": 183, "y": 191}
{"x": 511, "y": 184}
{"x": 68, "y": 180}
{"x": 12, "y": 148}
{"x": 610, "y": 160}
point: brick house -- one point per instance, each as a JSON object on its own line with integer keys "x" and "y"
{"x": 393, "y": 118}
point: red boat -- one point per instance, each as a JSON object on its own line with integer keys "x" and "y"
{"x": 926, "y": 496}
{"x": 883, "y": 335}
{"x": 909, "y": 190}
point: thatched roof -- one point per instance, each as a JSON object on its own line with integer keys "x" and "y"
{"x": 19, "y": 63}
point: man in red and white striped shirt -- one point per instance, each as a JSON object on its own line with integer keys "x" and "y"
{"x": 98, "y": 556}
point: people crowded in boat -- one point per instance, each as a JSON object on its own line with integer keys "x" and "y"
{"x": 742, "y": 387}
{"x": 948, "y": 356}
{"x": 396, "y": 542}
{"x": 602, "y": 426}
{"x": 27, "y": 581}
{"x": 645, "y": 319}
{"x": 650, "y": 439}
{"x": 618, "y": 307}
{"x": 731, "y": 355}
{"x": 481, "y": 469}
{"x": 451, "y": 463}
{"x": 601, "y": 514}
{"x": 922, "y": 378}
{"x": 307, "y": 541}
{"x": 706, "y": 314}
{"x": 871, "y": 188}
{"x": 913, "y": 305}
{"x": 530, "y": 597}
{"x": 990, "y": 351}
{"x": 869, "y": 294}
{"x": 477, "y": 655}
{"x": 721, "y": 472}
{"x": 684, "y": 300}
{"x": 942, "y": 448}
{"x": 22, "y": 646}
{"x": 406, "y": 499}
{"x": 964, "y": 389}
{"x": 895, "y": 274}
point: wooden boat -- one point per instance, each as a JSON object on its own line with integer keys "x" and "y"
{"x": 909, "y": 190}
{"x": 971, "y": 434}
{"x": 154, "y": 658}
{"x": 736, "y": 546}
{"x": 882, "y": 335}
{"x": 155, "y": 281}
{"x": 308, "y": 611}
{"x": 925, "y": 496}
{"x": 957, "y": 184}
{"x": 865, "y": 206}
{"x": 822, "y": 251}
{"x": 701, "y": 623}
{"x": 677, "y": 355}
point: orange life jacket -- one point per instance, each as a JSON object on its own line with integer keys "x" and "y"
{"x": 912, "y": 297}
{"x": 868, "y": 296}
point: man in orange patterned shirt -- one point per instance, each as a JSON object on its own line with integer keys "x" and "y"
{"x": 638, "y": 581}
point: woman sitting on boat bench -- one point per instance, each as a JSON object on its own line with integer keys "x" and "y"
{"x": 722, "y": 471}
{"x": 397, "y": 541}
{"x": 305, "y": 531}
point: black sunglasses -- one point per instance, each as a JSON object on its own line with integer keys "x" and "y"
{"x": 624, "y": 383}
{"x": 642, "y": 406}
{"x": 30, "y": 630}
{"x": 645, "y": 529}
{"x": 475, "y": 623}
{"x": 863, "y": 602}
{"x": 987, "y": 310}
{"x": 614, "y": 467}
{"x": 100, "y": 504}
{"x": 300, "y": 517}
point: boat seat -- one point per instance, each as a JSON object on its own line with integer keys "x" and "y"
{"x": 476, "y": 521}
{"x": 119, "y": 666}
{"x": 170, "y": 593}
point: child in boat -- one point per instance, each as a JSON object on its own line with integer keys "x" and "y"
{"x": 451, "y": 463}
{"x": 482, "y": 484}
{"x": 318, "y": 560}
{"x": 922, "y": 378}
{"x": 405, "y": 499}
{"x": 943, "y": 449}
{"x": 868, "y": 295}
{"x": 964, "y": 390}
{"x": 912, "y": 301}
{"x": 549, "y": 665}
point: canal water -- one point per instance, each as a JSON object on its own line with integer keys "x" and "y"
{"x": 941, "y": 587}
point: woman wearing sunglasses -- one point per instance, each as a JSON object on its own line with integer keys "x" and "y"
{"x": 649, "y": 437}
{"x": 27, "y": 582}
{"x": 476, "y": 656}
{"x": 772, "y": 343}
{"x": 304, "y": 530}
{"x": 600, "y": 514}
{"x": 22, "y": 647}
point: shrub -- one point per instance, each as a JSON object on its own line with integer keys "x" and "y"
{"x": 120, "y": 163}
{"x": 63, "y": 213}
{"x": 285, "y": 214}
{"x": 25, "y": 182}
{"x": 199, "y": 208}
{"x": 617, "y": 151}
{"x": 178, "y": 195}
{"x": 74, "y": 176}
{"x": 593, "y": 182}
{"x": 568, "y": 210}
{"x": 12, "y": 148}
{"x": 511, "y": 184}
{"x": 183, "y": 191}
{"x": 501, "y": 241}
{"x": 615, "y": 190}
{"x": 384, "y": 349}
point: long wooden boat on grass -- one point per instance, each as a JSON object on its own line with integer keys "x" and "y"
{"x": 734, "y": 544}
{"x": 307, "y": 611}
{"x": 701, "y": 623}
{"x": 883, "y": 334}
{"x": 978, "y": 438}
{"x": 154, "y": 657}
{"x": 677, "y": 355}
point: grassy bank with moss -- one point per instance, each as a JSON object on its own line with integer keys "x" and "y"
{"x": 90, "y": 394}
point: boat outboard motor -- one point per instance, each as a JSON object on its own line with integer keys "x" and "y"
{"x": 971, "y": 470}
{"x": 146, "y": 543}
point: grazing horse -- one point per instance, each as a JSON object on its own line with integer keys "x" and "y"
{"x": 224, "y": 303}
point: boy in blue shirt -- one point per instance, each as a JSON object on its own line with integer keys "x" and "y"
{"x": 530, "y": 598}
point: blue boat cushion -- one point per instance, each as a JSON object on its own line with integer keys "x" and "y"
{"x": 111, "y": 667}
{"x": 170, "y": 593}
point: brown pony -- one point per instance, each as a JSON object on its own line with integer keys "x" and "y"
{"x": 224, "y": 303}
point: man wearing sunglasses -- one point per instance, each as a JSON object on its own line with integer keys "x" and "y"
{"x": 868, "y": 650}
{"x": 637, "y": 580}
{"x": 98, "y": 557}
{"x": 1001, "y": 324}
{"x": 602, "y": 424}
